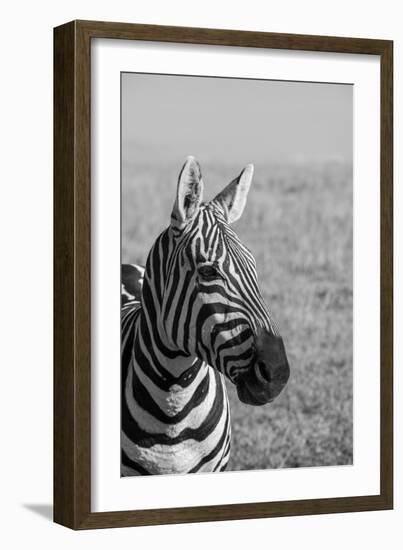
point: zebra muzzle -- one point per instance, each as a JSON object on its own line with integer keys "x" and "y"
{"x": 268, "y": 375}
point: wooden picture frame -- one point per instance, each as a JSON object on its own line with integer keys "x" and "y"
{"x": 72, "y": 269}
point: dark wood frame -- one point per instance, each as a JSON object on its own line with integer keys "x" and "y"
{"x": 72, "y": 320}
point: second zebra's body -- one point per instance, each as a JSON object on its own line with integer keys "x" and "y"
{"x": 200, "y": 319}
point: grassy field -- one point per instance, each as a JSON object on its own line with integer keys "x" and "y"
{"x": 298, "y": 224}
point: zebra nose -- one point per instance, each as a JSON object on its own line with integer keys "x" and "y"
{"x": 272, "y": 363}
{"x": 269, "y": 374}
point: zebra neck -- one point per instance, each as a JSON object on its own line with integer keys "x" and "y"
{"x": 154, "y": 357}
{"x": 167, "y": 388}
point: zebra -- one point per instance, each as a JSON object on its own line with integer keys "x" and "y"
{"x": 195, "y": 318}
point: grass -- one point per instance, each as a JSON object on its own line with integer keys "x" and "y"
{"x": 298, "y": 224}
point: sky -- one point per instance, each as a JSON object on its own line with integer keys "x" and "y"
{"x": 165, "y": 118}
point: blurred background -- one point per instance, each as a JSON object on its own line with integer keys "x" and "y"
{"x": 298, "y": 222}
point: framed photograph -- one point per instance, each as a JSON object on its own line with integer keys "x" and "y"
{"x": 222, "y": 274}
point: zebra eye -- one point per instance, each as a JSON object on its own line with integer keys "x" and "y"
{"x": 208, "y": 272}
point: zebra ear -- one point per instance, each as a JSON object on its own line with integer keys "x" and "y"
{"x": 232, "y": 198}
{"x": 189, "y": 193}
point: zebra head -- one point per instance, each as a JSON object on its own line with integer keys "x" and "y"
{"x": 211, "y": 305}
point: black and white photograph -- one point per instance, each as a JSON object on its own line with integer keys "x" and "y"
{"x": 237, "y": 274}
{"x": 199, "y": 211}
